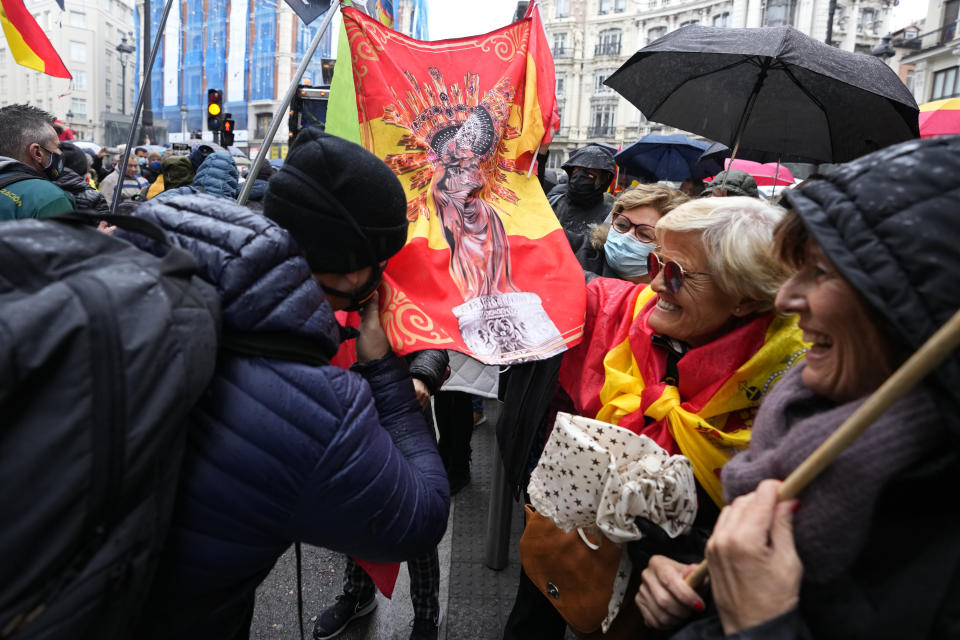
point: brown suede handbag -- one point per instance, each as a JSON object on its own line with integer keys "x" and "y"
{"x": 576, "y": 579}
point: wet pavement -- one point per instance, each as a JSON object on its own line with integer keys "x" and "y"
{"x": 475, "y": 600}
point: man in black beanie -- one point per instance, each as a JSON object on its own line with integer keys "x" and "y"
{"x": 347, "y": 211}
{"x": 283, "y": 448}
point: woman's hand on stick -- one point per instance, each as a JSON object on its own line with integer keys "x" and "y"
{"x": 754, "y": 568}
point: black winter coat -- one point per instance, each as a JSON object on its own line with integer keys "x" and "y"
{"x": 84, "y": 196}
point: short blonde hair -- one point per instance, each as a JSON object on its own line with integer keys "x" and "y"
{"x": 737, "y": 237}
{"x": 659, "y": 196}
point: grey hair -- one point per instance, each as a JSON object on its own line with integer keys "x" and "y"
{"x": 737, "y": 237}
{"x": 20, "y": 126}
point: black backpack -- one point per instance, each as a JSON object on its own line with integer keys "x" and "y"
{"x": 104, "y": 349}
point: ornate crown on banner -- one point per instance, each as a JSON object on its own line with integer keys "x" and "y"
{"x": 446, "y": 121}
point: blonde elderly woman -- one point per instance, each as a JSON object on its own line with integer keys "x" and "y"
{"x": 620, "y": 249}
{"x": 684, "y": 361}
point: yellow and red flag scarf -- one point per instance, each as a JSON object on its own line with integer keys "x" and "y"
{"x": 617, "y": 376}
{"x": 486, "y": 270}
{"x": 28, "y": 44}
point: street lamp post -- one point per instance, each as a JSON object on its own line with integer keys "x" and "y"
{"x": 125, "y": 50}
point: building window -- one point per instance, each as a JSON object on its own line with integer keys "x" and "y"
{"x": 80, "y": 80}
{"x": 868, "y": 21}
{"x": 603, "y": 120}
{"x": 911, "y": 80}
{"x": 779, "y": 13}
{"x": 263, "y": 124}
{"x": 555, "y": 160}
{"x": 563, "y": 8}
{"x": 722, "y": 20}
{"x": 608, "y": 43}
{"x": 655, "y": 33}
{"x": 78, "y": 19}
{"x": 79, "y": 108}
{"x": 945, "y": 84}
{"x": 560, "y": 46}
{"x": 78, "y": 51}
{"x": 604, "y": 7}
{"x": 619, "y": 6}
{"x": 561, "y": 83}
{"x": 689, "y": 23}
{"x": 108, "y": 87}
{"x": 599, "y": 77}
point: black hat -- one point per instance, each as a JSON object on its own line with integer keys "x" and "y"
{"x": 344, "y": 206}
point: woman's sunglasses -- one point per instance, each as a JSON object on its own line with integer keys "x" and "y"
{"x": 673, "y": 273}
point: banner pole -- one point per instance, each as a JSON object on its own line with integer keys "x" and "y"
{"x": 122, "y": 167}
{"x": 284, "y": 104}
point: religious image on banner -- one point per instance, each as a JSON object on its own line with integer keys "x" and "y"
{"x": 487, "y": 269}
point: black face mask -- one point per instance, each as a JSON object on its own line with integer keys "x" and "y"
{"x": 55, "y": 167}
{"x": 360, "y": 296}
{"x": 583, "y": 188}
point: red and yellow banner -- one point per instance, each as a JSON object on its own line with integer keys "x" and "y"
{"x": 487, "y": 269}
{"x": 28, "y": 44}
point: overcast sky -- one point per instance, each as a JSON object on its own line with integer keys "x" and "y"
{"x": 459, "y": 18}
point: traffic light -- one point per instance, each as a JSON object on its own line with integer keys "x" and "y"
{"x": 226, "y": 132}
{"x": 214, "y": 107}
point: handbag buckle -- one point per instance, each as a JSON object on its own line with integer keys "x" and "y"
{"x": 553, "y": 591}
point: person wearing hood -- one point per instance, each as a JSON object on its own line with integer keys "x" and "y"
{"x": 30, "y": 160}
{"x": 216, "y": 176}
{"x": 620, "y": 249}
{"x": 585, "y": 201}
{"x": 733, "y": 182}
{"x": 175, "y": 171}
{"x": 871, "y": 549}
{"x": 282, "y": 450}
{"x": 72, "y": 180}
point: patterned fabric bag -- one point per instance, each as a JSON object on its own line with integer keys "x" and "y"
{"x": 595, "y": 475}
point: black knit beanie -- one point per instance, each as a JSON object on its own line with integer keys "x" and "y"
{"x": 344, "y": 206}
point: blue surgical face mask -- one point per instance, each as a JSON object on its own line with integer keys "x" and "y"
{"x": 627, "y": 254}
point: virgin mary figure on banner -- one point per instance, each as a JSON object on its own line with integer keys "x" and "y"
{"x": 487, "y": 269}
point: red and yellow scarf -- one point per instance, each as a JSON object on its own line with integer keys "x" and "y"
{"x": 615, "y": 375}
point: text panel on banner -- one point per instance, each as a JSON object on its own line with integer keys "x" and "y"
{"x": 486, "y": 269}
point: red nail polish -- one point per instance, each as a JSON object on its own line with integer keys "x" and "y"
{"x": 796, "y": 506}
{"x": 698, "y": 606}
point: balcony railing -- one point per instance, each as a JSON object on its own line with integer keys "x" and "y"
{"x": 605, "y": 131}
{"x": 607, "y": 49}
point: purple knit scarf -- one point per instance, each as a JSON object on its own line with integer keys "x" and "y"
{"x": 836, "y": 509}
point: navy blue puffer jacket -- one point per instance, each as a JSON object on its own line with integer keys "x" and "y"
{"x": 280, "y": 451}
{"x": 217, "y": 176}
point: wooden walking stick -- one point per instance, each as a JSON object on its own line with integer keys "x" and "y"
{"x": 911, "y": 373}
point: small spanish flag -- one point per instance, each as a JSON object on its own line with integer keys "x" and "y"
{"x": 28, "y": 44}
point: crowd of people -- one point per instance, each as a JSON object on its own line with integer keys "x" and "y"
{"x": 734, "y": 331}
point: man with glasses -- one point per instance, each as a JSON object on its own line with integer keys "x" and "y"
{"x": 29, "y": 159}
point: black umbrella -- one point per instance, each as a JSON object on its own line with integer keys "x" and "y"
{"x": 769, "y": 89}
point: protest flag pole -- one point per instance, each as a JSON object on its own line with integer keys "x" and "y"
{"x": 284, "y": 104}
{"x": 122, "y": 167}
{"x": 924, "y": 360}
